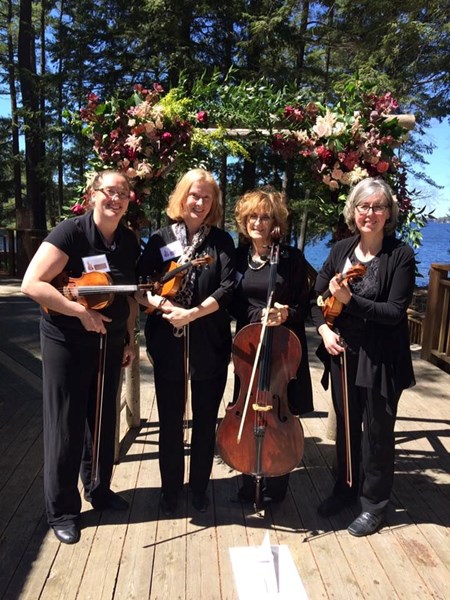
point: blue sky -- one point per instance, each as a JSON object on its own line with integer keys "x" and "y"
{"x": 438, "y": 167}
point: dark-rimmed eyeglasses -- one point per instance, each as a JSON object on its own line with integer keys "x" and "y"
{"x": 378, "y": 209}
{"x": 111, "y": 192}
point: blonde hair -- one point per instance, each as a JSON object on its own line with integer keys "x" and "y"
{"x": 365, "y": 188}
{"x": 272, "y": 201}
{"x": 181, "y": 192}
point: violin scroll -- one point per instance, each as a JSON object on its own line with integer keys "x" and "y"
{"x": 331, "y": 306}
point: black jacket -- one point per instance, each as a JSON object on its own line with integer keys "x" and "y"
{"x": 384, "y": 355}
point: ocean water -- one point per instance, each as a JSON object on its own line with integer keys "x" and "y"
{"x": 435, "y": 248}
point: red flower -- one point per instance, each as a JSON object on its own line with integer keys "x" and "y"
{"x": 294, "y": 113}
{"x": 324, "y": 154}
{"x": 382, "y": 166}
{"x": 202, "y": 116}
{"x": 78, "y": 209}
{"x": 167, "y": 137}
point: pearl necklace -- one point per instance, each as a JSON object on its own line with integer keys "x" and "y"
{"x": 250, "y": 260}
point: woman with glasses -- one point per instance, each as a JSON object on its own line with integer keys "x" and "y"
{"x": 78, "y": 343}
{"x": 259, "y": 215}
{"x": 188, "y": 332}
{"x": 366, "y": 350}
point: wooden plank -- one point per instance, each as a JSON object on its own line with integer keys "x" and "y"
{"x": 134, "y": 578}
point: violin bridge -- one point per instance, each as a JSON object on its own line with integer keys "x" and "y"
{"x": 259, "y": 408}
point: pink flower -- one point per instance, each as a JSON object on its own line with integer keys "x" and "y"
{"x": 167, "y": 137}
{"x": 202, "y": 116}
{"x": 294, "y": 113}
{"x": 78, "y": 209}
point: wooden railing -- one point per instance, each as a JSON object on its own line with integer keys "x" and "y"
{"x": 436, "y": 329}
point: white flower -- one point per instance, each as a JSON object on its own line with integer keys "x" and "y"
{"x": 134, "y": 142}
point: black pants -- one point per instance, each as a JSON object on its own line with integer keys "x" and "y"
{"x": 70, "y": 376}
{"x": 372, "y": 440}
{"x": 205, "y": 396}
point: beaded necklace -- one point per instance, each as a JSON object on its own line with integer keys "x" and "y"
{"x": 250, "y": 261}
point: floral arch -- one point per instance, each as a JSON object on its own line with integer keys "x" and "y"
{"x": 151, "y": 133}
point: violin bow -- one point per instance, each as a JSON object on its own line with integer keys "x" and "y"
{"x": 98, "y": 408}
{"x": 345, "y": 406}
{"x": 187, "y": 384}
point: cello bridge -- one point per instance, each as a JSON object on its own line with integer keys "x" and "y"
{"x": 260, "y": 408}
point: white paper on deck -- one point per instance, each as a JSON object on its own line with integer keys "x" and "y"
{"x": 266, "y": 572}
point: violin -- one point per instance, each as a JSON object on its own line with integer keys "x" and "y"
{"x": 331, "y": 306}
{"x": 95, "y": 289}
{"x": 169, "y": 284}
{"x": 259, "y": 435}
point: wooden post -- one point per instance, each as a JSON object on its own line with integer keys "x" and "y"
{"x": 133, "y": 384}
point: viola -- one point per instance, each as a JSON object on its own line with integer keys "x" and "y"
{"x": 259, "y": 435}
{"x": 331, "y": 306}
{"x": 96, "y": 291}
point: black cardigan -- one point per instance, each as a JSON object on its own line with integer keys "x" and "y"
{"x": 384, "y": 356}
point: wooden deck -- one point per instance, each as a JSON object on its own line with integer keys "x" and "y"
{"x": 140, "y": 554}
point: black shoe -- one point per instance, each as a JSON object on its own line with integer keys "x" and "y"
{"x": 168, "y": 504}
{"x": 111, "y": 501}
{"x": 334, "y": 504}
{"x": 68, "y": 533}
{"x": 200, "y": 502}
{"x": 365, "y": 524}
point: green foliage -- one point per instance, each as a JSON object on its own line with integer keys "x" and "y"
{"x": 150, "y": 134}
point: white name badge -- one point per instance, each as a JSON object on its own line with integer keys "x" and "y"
{"x": 172, "y": 250}
{"x": 95, "y": 263}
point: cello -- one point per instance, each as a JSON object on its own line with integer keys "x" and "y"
{"x": 259, "y": 435}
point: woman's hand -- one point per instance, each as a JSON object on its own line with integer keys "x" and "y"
{"x": 177, "y": 315}
{"x": 332, "y": 341}
{"x": 278, "y": 314}
{"x": 340, "y": 290}
{"x": 93, "y": 320}
{"x": 128, "y": 355}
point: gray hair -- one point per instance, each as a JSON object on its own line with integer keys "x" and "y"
{"x": 363, "y": 190}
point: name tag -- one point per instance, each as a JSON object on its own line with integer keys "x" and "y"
{"x": 171, "y": 251}
{"x": 96, "y": 263}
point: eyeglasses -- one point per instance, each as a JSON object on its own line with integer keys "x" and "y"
{"x": 378, "y": 209}
{"x": 263, "y": 218}
{"x": 111, "y": 192}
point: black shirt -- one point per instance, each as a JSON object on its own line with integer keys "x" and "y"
{"x": 79, "y": 238}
